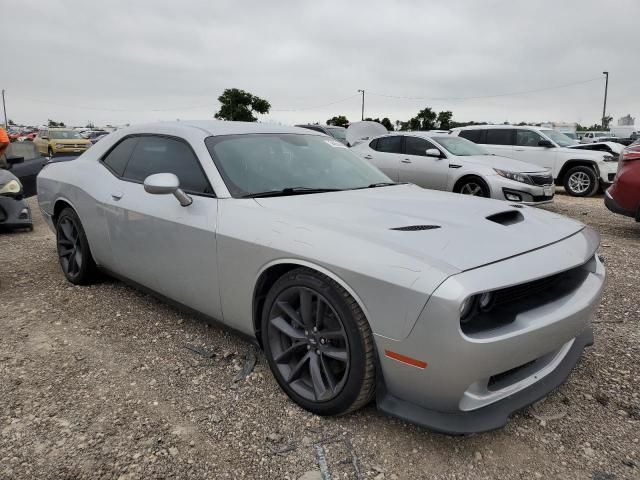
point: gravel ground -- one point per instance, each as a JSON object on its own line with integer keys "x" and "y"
{"x": 98, "y": 382}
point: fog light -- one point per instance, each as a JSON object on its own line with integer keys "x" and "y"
{"x": 24, "y": 214}
{"x": 486, "y": 301}
{"x": 513, "y": 197}
{"x": 465, "y": 309}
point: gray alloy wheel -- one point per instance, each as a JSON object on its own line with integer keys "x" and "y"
{"x": 308, "y": 344}
{"x": 473, "y": 186}
{"x": 74, "y": 254}
{"x": 581, "y": 181}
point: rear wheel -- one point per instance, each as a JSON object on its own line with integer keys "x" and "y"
{"x": 318, "y": 343}
{"x": 474, "y": 186}
{"x": 581, "y": 181}
{"x": 73, "y": 249}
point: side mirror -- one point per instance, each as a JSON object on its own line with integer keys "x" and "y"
{"x": 546, "y": 144}
{"x": 164, "y": 184}
{"x": 433, "y": 152}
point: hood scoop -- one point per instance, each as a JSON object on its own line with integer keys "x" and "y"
{"x": 510, "y": 217}
{"x": 415, "y": 228}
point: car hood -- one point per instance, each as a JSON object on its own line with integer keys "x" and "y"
{"x": 613, "y": 146}
{"x": 586, "y": 154}
{"x": 464, "y": 237}
{"x": 503, "y": 163}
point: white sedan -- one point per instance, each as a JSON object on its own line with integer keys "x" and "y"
{"x": 440, "y": 161}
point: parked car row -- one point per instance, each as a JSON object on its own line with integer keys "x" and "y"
{"x": 449, "y": 311}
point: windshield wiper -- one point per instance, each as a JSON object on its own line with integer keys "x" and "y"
{"x": 380, "y": 184}
{"x": 289, "y": 191}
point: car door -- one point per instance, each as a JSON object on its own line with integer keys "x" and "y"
{"x": 384, "y": 153}
{"x": 418, "y": 168}
{"x": 527, "y": 149}
{"x": 155, "y": 241}
{"x": 41, "y": 142}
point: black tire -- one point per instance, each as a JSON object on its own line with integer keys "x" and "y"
{"x": 73, "y": 250}
{"x": 581, "y": 181}
{"x": 473, "y": 185}
{"x": 340, "y": 386}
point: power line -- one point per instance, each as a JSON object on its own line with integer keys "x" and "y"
{"x": 317, "y": 106}
{"x": 523, "y": 92}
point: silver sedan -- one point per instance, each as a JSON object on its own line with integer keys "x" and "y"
{"x": 450, "y": 311}
{"x": 441, "y": 161}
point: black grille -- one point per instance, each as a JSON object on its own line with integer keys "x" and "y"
{"x": 3, "y": 215}
{"x": 541, "y": 198}
{"x": 541, "y": 179}
{"x": 504, "y": 379}
{"x": 414, "y": 228}
{"x": 509, "y": 302}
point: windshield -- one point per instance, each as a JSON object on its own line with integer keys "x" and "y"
{"x": 460, "y": 146}
{"x": 559, "y": 138}
{"x": 64, "y": 134}
{"x": 339, "y": 133}
{"x": 257, "y": 163}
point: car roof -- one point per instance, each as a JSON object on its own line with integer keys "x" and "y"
{"x": 517, "y": 127}
{"x": 214, "y": 127}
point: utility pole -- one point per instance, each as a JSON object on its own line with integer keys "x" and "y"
{"x": 362, "y": 91}
{"x": 4, "y": 109}
{"x": 604, "y": 108}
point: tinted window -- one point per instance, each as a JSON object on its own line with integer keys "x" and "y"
{"x": 527, "y": 138}
{"x": 417, "y": 146}
{"x": 390, "y": 144}
{"x": 473, "y": 135}
{"x": 373, "y": 143}
{"x": 165, "y": 155}
{"x": 117, "y": 158}
{"x": 499, "y": 136}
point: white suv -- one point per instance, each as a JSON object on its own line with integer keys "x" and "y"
{"x": 581, "y": 172}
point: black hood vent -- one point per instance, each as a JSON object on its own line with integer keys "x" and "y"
{"x": 415, "y": 228}
{"x": 509, "y": 217}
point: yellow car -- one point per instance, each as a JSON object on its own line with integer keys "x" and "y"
{"x": 60, "y": 141}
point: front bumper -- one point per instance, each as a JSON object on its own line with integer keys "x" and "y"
{"x": 14, "y": 213}
{"x": 518, "y": 192}
{"x": 473, "y": 382}
{"x": 67, "y": 151}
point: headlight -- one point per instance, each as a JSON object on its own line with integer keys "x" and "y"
{"x": 515, "y": 176}
{"x": 12, "y": 187}
{"x": 59, "y": 145}
{"x": 610, "y": 158}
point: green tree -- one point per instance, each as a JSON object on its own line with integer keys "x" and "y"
{"x": 444, "y": 120}
{"x": 606, "y": 121}
{"x": 427, "y": 119}
{"x": 387, "y": 124}
{"x": 54, "y": 124}
{"x": 10, "y": 122}
{"x": 90, "y": 124}
{"x": 338, "y": 121}
{"x": 238, "y": 105}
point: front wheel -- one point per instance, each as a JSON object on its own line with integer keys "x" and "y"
{"x": 474, "y": 186}
{"x": 581, "y": 181}
{"x": 318, "y": 343}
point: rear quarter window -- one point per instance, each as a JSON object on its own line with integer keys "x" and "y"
{"x": 474, "y": 136}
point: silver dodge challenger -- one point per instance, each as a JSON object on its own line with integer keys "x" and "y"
{"x": 450, "y": 311}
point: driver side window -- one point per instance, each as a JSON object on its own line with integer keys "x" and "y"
{"x": 527, "y": 138}
{"x": 417, "y": 146}
{"x": 156, "y": 154}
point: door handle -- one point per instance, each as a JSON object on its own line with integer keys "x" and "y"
{"x": 406, "y": 160}
{"x": 368, "y": 157}
{"x": 116, "y": 195}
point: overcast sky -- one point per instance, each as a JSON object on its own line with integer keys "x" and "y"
{"x": 123, "y": 61}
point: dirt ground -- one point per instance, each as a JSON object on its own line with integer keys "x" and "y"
{"x": 97, "y": 382}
